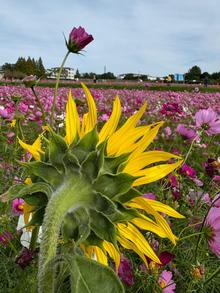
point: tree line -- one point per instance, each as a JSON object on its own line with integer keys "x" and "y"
{"x": 24, "y": 67}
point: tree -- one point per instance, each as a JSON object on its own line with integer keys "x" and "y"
{"x": 77, "y": 75}
{"x": 194, "y": 74}
{"x": 40, "y": 70}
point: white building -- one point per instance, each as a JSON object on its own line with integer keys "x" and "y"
{"x": 67, "y": 73}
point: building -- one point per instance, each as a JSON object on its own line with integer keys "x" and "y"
{"x": 179, "y": 77}
{"x": 67, "y": 73}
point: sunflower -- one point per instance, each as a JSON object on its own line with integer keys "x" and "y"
{"x": 84, "y": 185}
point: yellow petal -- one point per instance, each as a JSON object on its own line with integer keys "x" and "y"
{"x": 113, "y": 253}
{"x": 140, "y": 203}
{"x": 143, "y": 159}
{"x": 28, "y": 181}
{"x": 111, "y": 125}
{"x": 149, "y": 226}
{"x": 92, "y": 114}
{"x": 34, "y": 149}
{"x": 115, "y": 139}
{"x": 154, "y": 173}
{"x": 84, "y": 123}
{"x": 100, "y": 255}
{"x": 130, "y": 245}
{"x": 72, "y": 120}
{"x": 27, "y": 211}
{"x": 130, "y": 232}
{"x": 163, "y": 208}
{"x": 146, "y": 140}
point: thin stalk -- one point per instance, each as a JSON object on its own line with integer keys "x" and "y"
{"x": 56, "y": 89}
{"x": 191, "y": 235}
{"x": 39, "y": 105}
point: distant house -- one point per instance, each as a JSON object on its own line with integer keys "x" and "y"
{"x": 67, "y": 73}
{"x": 1, "y": 73}
{"x": 178, "y": 77}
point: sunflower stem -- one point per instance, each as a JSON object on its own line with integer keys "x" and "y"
{"x": 73, "y": 193}
{"x": 56, "y": 88}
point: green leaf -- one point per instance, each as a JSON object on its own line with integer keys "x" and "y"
{"x": 102, "y": 226}
{"x": 86, "y": 145}
{"x": 125, "y": 197}
{"x": 113, "y": 185}
{"x": 12, "y": 192}
{"x": 88, "y": 276}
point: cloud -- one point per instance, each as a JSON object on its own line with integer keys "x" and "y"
{"x": 155, "y": 36}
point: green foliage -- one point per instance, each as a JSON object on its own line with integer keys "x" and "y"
{"x": 88, "y": 276}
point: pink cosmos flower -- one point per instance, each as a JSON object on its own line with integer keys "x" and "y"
{"x": 125, "y": 271}
{"x": 212, "y": 222}
{"x": 78, "y": 39}
{"x": 208, "y": 120}
{"x": 17, "y": 206}
{"x": 104, "y": 117}
{"x": 186, "y": 133}
{"x": 187, "y": 170}
{"x": 166, "y": 283}
{"x": 149, "y": 196}
{"x": 168, "y": 131}
{"x": 170, "y": 109}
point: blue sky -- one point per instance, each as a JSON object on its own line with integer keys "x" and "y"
{"x": 144, "y": 36}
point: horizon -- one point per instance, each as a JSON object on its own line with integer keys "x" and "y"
{"x": 155, "y": 37}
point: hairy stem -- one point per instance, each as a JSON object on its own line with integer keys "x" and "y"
{"x": 72, "y": 194}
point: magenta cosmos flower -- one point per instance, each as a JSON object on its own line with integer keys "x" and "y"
{"x": 166, "y": 282}
{"x": 170, "y": 109}
{"x": 17, "y": 206}
{"x": 125, "y": 271}
{"x": 186, "y": 133}
{"x": 208, "y": 120}
{"x": 78, "y": 39}
{"x": 212, "y": 223}
{"x": 5, "y": 237}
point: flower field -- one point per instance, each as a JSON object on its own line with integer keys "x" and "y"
{"x": 185, "y": 198}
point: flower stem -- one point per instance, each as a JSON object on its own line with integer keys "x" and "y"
{"x": 191, "y": 235}
{"x": 73, "y": 194}
{"x": 39, "y": 105}
{"x": 56, "y": 88}
{"x": 34, "y": 236}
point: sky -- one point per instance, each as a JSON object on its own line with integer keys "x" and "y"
{"x": 155, "y": 37}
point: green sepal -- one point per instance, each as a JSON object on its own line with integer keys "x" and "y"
{"x": 102, "y": 226}
{"x": 112, "y": 185}
{"x": 93, "y": 240}
{"x": 57, "y": 148}
{"x": 123, "y": 214}
{"x": 88, "y": 276}
{"x": 45, "y": 171}
{"x": 89, "y": 167}
{"x": 38, "y": 199}
{"x": 111, "y": 165}
{"x": 38, "y": 187}
{"x": 76, "y": 225}
{"x": 103, "y": 204}
{"x": 86, "y": 145}
{"x": 125, "y": 197}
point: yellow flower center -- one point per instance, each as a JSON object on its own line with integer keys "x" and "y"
{"x": 21, "y": 207}
{"x": 163, "y": 284}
